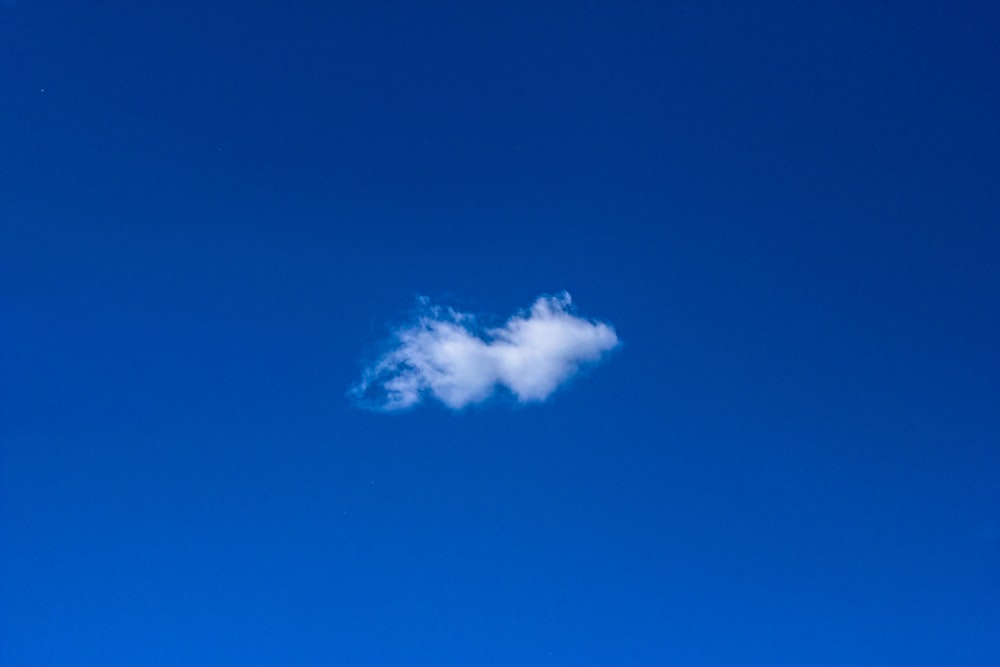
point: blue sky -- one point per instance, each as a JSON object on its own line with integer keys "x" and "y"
{"x": 215, "y": 218}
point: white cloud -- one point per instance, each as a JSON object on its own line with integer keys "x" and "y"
{"x": 444, "y": 355}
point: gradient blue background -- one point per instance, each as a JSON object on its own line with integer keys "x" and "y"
{"x": 211, "y": 213}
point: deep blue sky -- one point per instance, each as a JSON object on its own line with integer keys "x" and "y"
{"x": 211, "y": 212}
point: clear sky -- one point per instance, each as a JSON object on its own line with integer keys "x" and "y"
{"x": 272, "y": 391}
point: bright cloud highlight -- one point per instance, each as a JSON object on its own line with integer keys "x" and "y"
{"x": 444, "y": 355}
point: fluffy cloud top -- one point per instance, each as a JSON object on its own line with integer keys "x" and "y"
{"x": 444, "y": 355}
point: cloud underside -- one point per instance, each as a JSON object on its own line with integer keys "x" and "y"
{"x": 442, "y": 355}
